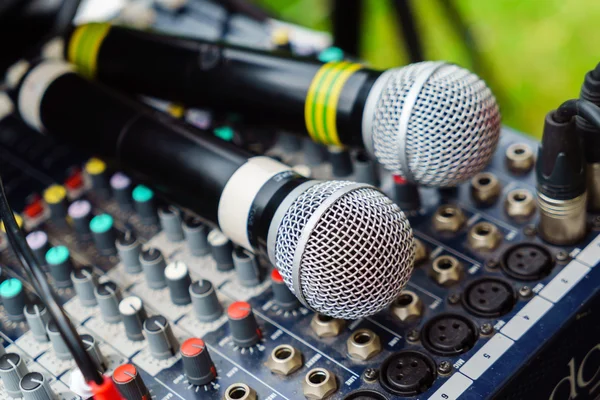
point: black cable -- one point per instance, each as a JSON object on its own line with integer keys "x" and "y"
{"x": 578, "y": 107}
{"x": 38, "y": 279}
{"x": 412, "y": 39}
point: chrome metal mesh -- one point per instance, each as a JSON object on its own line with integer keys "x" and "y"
{"x": 359, "y": 254}
{"x": 453, "y": 129}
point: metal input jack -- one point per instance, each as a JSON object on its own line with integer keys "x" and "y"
{"x": 446, "y": 270}
{"x": 519, "y": 204}
{"x": 485, "y": 188}
{"x": 363, "y": 344}
{"x": 484, "y": 236}
{"x": 325, "y": 326}
{"x": 239, "y": 391}
{"x": 448, "y": 218}
{"x": 319, "y": 384}
{"x": 407, "y": 307}
{"x": 519, "y": 158}
{"x": 284, "y": 360}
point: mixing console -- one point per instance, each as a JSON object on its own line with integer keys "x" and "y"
{"x": 172, "y": 309}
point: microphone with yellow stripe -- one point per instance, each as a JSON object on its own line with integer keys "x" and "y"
{"x": 433, "y": 123}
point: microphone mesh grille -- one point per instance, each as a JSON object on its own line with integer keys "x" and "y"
{"x": 358, "y": 256}
{"x": 453, "y": 129}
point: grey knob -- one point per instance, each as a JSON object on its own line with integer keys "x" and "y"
{"x": 84, "y": 283}
{"x": 205, "y": 301}
{"x": 38, "y": 243}
{"x": 2, "y": 349}
{"x": 246, "y": 267}
{"x": 170, "y": 222}
{"x": 12, "y": 370}
{"x": 80, "y": 212}
{"x": 242, "y": 324}
{"x": 58, "y": 343}
{"x": 121, "y": 188}
{"x": 103, "y": 233}
{"x": 178, "y": 281}
{"x": 35, "y": 386}
{"x": 37, "y": 318}
{"x": 129, "y": 249}
{"x": 133, "y": 315}
{"x": 314, "y": 153}
{"x": 197, "y": 364}
{"x": 221, "y": 249}
{"x": 365, "y": 169}
{"x": 13, "y": 298}
{"x": 59, "y": 262}
{"x": 153, "y": 265}
{"x": 109, "y": 297}
{"x": 196, "y": 236}
{"x": 341, "y": 162}
{"x": 282, "y": 296}
{"x": 161, "y": 340}
{"x": 93, "y": 350}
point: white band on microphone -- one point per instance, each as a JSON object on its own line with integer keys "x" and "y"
{"x": 33, "y": 89}
{"x": 239, "y": 193}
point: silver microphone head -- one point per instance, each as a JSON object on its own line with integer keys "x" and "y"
{"x": 343, "y": 248}
{"x": 436, "y": 124}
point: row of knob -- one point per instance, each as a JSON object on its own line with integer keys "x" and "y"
{"x": 19, "y": 381}
{"x": 130, "y": 310}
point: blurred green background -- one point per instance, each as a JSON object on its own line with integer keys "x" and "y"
{"x": 537, "y": 51}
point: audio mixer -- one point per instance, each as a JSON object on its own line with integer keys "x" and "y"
{"x": 171, "y": 308}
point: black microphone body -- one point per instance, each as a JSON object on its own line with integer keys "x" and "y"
{"x": 309, "y": 230}
{"x": 268, "y": 89}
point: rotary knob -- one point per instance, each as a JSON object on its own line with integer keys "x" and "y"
{"x": 12, "y": 370}
{"x": 197, "y": 364}
{"x": 14, "y": 299}
{"x": 129, "y": 383}
{"x": 109, "y": 297}
{"x": 153, "y": 265}
{"x": 282, "y": 296}
{"x": 205, "y": 301}
{"x": 161, "y": 340}
{"x": 242, "y": 324}
{"x": 129, "y": 249}
{"x": 133, "y": 315}
{"x": 34, "y": 386}
{"x": 91, "y": 347}
{"x": 178, "y": 281}
{"x": 84, "y": 283}
{"x": 59, "y": 262}
{"x": 170, "y": 222}
{"x": 37, "y": 318}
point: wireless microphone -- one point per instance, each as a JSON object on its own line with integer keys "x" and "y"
{"x": 433, "y": 123}
{"x": 343, "y": 248}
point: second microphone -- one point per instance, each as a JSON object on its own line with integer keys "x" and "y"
{"x": 344, "y": 249}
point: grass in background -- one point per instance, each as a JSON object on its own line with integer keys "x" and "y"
{"x": 537, "y": 50}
